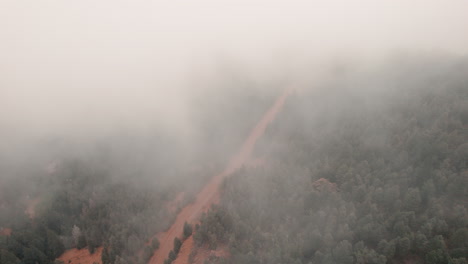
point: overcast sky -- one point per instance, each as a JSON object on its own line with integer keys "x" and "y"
{"x": 87, "y": 64}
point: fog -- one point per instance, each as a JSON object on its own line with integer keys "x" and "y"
{"x": 81, "y": 68}
{"x": 123, "y": 122}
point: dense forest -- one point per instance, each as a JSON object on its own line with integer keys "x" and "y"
{"x": 233, "y": 132}
{"x": 365, "y": 165}
{"x": 368, "y": 166}
{"x": 115, "y": 193}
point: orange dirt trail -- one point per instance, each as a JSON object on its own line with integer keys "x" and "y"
{"x": 210, "y": 193}
{"x": 81, "y": 256}
{"x": 184, "y": 253}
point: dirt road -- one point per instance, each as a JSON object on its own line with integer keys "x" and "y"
{"x": 210, "y": 193}
{"x": 81, "y": 256}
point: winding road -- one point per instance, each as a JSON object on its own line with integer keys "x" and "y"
{"x": 209, "y": 195}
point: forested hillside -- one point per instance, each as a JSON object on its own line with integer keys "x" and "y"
{"x": 84, "y": 207}
{"x": 366, "y": 167}
{"x": 233, "y": 132}
{"x": 113, "y": 194}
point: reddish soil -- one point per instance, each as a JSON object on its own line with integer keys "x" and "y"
{"x": 324, "y": 184}
{"x": 210, "y": 193}
{"x": 82, "y": 256}
{"x": 184, "y": 253}
{"x": 5, "y": 231}
{"x": 172, "y": 207}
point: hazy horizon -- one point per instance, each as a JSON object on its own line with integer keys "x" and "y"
{"x": 87, "y": 67}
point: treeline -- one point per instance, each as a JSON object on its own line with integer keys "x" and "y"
{"x": 113, "y": 192}
{"x": 366, "y": 168}
{"x": 87, "y": 208}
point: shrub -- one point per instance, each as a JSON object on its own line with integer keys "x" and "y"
{"x": 177, "y": 245}
{"x": 155, "y": 244}
{"x": 187, "y": 230}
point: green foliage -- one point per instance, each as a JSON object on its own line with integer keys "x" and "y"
{"x": 460, "y": 238}
{"x": 369, "y": 256}
{"x": 342, "y": 253}
{"x": 217, "y": 225}
{"x": 147, "y": 254}
{"x": 8, "y": 257}
{"x": 370, "y": 168}
{"x": 155, "y": 244}
{"x": 177, "y": 245}
{"x": 105, "y": 256}
{"x": 437, "y": 256}
{"x": 55, "y": 247}
{"x": 394, "y": 144}
{"x": 403, "y": 246}
{"x": 81, "y": 242}
{"x": 82, "y": 194}
{"x": 172, "y": 255}
{"x": 34, "y": 256}
{"x": 187, "y": 230}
